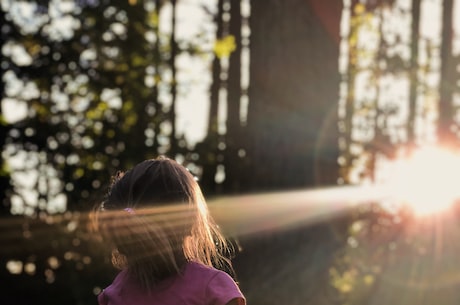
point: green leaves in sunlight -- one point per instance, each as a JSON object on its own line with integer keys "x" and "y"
{"x": 225, "y": 46}
{"x": 86, "y": 100}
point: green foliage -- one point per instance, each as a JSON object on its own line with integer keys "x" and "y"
{"x": 225, "y": 46}
{"x": 89, "y": 78}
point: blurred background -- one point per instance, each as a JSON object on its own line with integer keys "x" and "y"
{"x": 324, "y": 134}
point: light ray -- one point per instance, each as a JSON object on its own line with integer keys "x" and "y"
{"x": 254, "y": 213}
{"x": 238, "y": 215}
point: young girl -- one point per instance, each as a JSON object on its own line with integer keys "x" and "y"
{"x": 165, "y": 241}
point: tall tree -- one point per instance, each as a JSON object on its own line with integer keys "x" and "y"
{"x": 233, "y": 162}
{"x": 173, "y": 85}
{"x": 448, "y": 79}
{"x": 415, "y": 29}
{"x": 293, "y": 86}
{"x": 208, "y": 148}
{"x": 4, "y": 126}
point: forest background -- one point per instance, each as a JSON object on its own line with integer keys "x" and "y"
{"x": 90, "y": 87}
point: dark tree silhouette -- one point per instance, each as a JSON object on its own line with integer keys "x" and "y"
{"x": 415, "y": 30}
{"x": 448, "y": 78}
{"x": 4, "y": 126}
{"x": 293, "y": 93}
{"x": 293, "y": 87}
{"x": 208, "y": 148}
{"x": 234, "y": 162}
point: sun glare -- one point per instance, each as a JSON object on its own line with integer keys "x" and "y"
{"x": 428, "y": 182}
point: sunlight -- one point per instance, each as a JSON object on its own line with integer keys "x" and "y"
{"x": 256, "y": 213}
{"x": 427, "y": 182}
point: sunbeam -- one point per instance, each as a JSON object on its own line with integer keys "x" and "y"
{"x": 250, "y": 214}
{"x": 240, "y": 214}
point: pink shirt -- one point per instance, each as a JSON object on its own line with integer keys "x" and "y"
{"x": 198, "y": 285}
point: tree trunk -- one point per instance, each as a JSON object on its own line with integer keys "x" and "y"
{"x": 232, "y": 139}
{"x": 293, "y": 93}
{"x": 415, "y": 28}
{"x": 447, "y": 82}
{"x": 294, "y": 84}
{"x": 208, "y": 148}
{"x": 5, "y": 184}
{"x": 172, "y": 65}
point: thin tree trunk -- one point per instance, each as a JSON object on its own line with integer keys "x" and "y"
{"x": 232, "y": 161}
{"x": 4, "y": 177}
{"x": 172, "y": 64}
{"x": 156, "y": 57}
{"x": 415, "y": 28}
{"x": 209, "y": 150}
{"x": 216, "y": 70}
{"x": 446, "y": 137}
{"x": 349, "y": 77}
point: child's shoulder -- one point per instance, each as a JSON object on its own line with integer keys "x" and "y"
{"x": 195, "y": 267}
{"x": 201, "y": 271}
{"x": 213, "y": 285}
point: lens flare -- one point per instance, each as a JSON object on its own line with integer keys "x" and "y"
{"x": 427, "y": 182}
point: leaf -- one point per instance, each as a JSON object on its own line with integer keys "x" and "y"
{"x": 138, "y": 61}
{"x": 359, "y": 8}
{"x": 78, "y": 173}
{"x": 152, "y": 19}
{"x": 225, "y": 46}
{"x": 5, "y": 170}
{"x": 2, "y": 120}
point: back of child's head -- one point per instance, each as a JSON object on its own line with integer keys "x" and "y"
{"x": 156, "y": 218}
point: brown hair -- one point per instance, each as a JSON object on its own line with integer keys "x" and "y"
{"x": 156, "y": 218}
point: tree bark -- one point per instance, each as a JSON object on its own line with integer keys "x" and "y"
{"x": 446, "y": 137}
{"x": 208, "y": 148}
{"x": 294, "y": 84}
{"x": 415, "y": 28}
{"x": 172, "y": 65}
{"x": 232, "y": 161}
